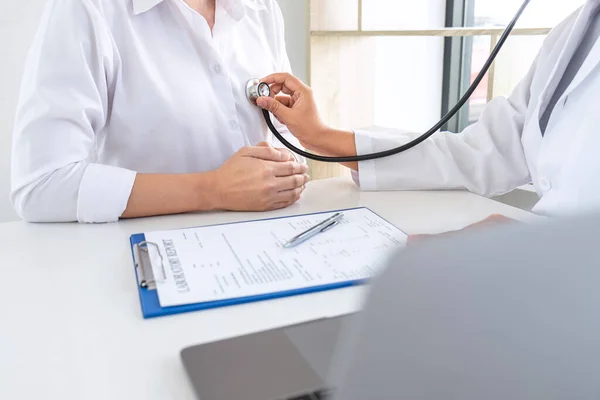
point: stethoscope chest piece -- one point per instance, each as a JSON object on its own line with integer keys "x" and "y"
{"x": 255, "y": 89}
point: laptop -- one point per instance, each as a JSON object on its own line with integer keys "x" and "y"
{"x": 291, "y": 363}
{"x": 507, "y": 313}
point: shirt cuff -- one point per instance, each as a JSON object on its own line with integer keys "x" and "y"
{"x": 104, "y": 193}
{"x": 365, "y": 177}
{"x": 355, "y": 177}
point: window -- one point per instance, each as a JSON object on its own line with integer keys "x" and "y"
{"x": 365, "y": 74}
{"x": 402, "y": 64}
{"x": 519, "y": 52}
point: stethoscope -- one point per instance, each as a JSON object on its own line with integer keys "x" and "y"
{"x": 255, "y": 89}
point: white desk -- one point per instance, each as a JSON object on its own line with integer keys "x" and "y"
{"x": 70, "y": 320}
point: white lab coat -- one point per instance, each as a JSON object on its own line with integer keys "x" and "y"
{"x": 505, "y": 148}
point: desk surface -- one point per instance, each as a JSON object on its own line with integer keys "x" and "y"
{"x": 71, "y": 326}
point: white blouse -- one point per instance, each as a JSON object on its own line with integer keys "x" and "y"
{"x": 118, "y": 87}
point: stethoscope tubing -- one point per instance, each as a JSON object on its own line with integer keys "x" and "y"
{"x": 388, "y": 153}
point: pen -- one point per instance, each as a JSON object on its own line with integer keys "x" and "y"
{"x": 315, "y": 230}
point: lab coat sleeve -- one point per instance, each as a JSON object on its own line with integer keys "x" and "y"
{"x": 487, "y": 158}
{"x": 283, "y": 66}
{"x": 64, "y": 102}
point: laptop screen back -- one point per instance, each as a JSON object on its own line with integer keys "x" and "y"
{"x": 270, "y": 365}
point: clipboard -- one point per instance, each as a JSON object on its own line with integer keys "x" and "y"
{"x": 146, "y": 281}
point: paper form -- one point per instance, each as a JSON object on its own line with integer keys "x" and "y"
{"x": 247, "y": 259}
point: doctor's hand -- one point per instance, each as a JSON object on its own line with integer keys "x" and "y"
{"x": 259, "y": 178}
{"x": 294, "y": 105}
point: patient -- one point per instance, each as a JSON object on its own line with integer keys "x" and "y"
{"x": 133, "y": 108}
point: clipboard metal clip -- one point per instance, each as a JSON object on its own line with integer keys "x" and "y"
{"x": 143, "y": 265}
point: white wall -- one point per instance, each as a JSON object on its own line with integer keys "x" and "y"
{"x": 18, "y": 21}
{"x": 296, "y": 27}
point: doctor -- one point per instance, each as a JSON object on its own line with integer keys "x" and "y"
{"x": 547, "y": 131}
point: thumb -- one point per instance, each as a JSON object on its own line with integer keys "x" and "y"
{"x": 265, "y": 152}
{"x": 274, "y": 107}
{"x": 286, "y": 155}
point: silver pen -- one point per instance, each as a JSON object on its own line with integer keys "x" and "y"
{"x": 315, "y": 230}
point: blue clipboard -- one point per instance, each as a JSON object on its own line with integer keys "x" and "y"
{"x": 151, "y": 307}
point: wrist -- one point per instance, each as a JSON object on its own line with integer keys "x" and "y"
{"x": 208, "y": 194}
{"x": 316, "y": 139}
{"x": 333, "y": 142}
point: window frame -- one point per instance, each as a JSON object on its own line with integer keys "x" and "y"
{"x": 457, "y": 62}
{"x": 458, "y": 46}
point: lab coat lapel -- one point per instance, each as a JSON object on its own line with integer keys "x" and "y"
{"x": 589, "y": 64}
{"x": 565, "y": 56}
{"x": 557, "y": 64}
